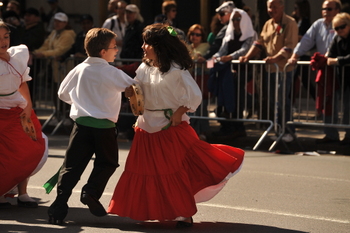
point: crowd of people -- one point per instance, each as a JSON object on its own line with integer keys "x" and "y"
{"x": 178, "y": 168}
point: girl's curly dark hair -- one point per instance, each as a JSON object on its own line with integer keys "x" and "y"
{"x": 168, "y": 48}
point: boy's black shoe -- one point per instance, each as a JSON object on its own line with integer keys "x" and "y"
{"x": 94, "y": 205}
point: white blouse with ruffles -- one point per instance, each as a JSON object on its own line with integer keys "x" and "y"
{"x": 10, "y": 77}
{"x": 170, "y": 90}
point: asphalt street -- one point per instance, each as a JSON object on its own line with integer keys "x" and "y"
{"x": 273, "y": 193}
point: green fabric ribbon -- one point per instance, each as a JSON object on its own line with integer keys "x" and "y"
{"x": 172, "y": 31}
{"x": 167, "y": 113}
{"x": 50, "y": 184}
{"x": 9, "y": 94}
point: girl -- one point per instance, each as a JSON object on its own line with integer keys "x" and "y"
{"x": 168, "y": 168}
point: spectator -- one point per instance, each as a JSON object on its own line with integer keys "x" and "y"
{"x": 301, "y": 14}
{"x": 86, "y": 23}
{"x": 17, "y": 30}
{"x": 321, "y": 34}
{"x": 112, "y": 7}
{"x": 15, "y": 6}
{"x": 117, "y": 23}
{"x": 132, "y": 40}
{"x": 49, "y": 18}
{"x": 238, "y": 39}
{"x": 169, "y": 10}
{"x": 339, "y": 54}
{"x": 215, "y": 27}
{"x": 34, "y": 33}
{"x": 278, "y": 38}
{"x": 223, "y": 13}
{"x": 198, "y": 48}
{"x": 33, "y": 36}
{"x": 57, "y": 44}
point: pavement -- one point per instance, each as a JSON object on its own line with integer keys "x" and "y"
{"x": 275, "y": 192}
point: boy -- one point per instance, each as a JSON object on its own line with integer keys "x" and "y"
{"x": 93, "y": 88}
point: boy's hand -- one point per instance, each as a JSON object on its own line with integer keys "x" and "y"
{"x": 129, "y": 92}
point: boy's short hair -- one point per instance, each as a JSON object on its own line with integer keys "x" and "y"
{"x": 97, "y": 39}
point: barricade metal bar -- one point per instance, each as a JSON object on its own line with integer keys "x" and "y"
{"x": 333, "y": 109}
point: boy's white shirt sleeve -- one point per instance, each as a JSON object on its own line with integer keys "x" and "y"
{"x": 66, "y": 87}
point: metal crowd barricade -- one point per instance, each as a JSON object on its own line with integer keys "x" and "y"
{"x": 248, "y": 74}
{"x": 326, "y": 108}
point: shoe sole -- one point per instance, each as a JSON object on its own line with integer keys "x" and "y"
{"x": 94, "y": 206}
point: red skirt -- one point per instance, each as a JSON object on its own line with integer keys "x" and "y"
{"x": 167, "y": 171}
{"x": 19, "y": 154}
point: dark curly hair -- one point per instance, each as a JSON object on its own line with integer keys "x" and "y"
{"x": 168, "y": 48}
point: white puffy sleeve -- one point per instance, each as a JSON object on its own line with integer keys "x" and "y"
{"x": 185, "y": 89}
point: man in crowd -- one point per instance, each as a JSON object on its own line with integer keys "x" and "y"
{"x": 321, "y": 34}
{"x": 278, "y": 38}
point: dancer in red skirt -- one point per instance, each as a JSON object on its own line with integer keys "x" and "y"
{"x": 168, "y": 169}
{"x": 20, "y": 153}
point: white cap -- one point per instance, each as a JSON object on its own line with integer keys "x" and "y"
{"x": 226, "y": 7}
{"x": 61, "y": 17}
{"x": 132, "y": 8}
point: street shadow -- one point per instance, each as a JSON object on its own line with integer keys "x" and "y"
{"x": 35, "y": 220}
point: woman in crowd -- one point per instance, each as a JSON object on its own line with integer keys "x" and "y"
{"x": 339, "y": 54}
{"x": 225, "y": 84}
{"x": 198, "y": 47}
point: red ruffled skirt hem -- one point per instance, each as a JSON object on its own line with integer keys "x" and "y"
{"x": 167, "y": 172}
{"x": 19, "y": 154}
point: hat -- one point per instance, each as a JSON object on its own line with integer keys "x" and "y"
{"x": 8, "y": 14}
{"x": 226, "y": 7}
{"x": 132, "y": 8}
{"x": 61, "y": 17}
{"x": 86, "y": 17}
{"x": 32, "y": 11}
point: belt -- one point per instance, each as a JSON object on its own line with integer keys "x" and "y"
{"x": 168, "y": 112}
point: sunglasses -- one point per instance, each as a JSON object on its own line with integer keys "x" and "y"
{"x": 236, "y": 19}
{"x": 327, "y": 9}
{"x": 340, "y": 27}
{"x": 195, "y": 34}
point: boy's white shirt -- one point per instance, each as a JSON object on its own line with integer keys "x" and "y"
{"x": 94, "y": 88}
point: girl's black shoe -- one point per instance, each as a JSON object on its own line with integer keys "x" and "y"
{"x": 182, "y": 224}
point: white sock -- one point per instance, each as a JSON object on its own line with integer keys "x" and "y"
{"x": 25, "y": 198}
{"x": 3, "y": 199}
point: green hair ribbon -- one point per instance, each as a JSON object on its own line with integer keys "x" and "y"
{"x": 172, "y": 31}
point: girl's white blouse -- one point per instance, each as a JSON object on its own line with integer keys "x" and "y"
{"x": 170, "y": 90}
{"x": 10, "y": 78}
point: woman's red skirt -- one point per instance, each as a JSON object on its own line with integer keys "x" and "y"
{"x": 167, "y": 172}
{"x": 19, "y": 154}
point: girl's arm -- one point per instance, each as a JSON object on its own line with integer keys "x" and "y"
{"x": 24, "y": 90}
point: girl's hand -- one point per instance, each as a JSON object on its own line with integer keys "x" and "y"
{"x": 176, "y": 118}
{"x": 129, "y": 92}
{"x": 27, "y": 112}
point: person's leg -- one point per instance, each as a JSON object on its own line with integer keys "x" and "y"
{"x": 24, "y": 200}
{"x": 332, "y": 133}
{"x": 106, "y": 161}
{"x": 78, "y": 155}
{"x": 287, "y": 104}
{"x": 346, "y": 115}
